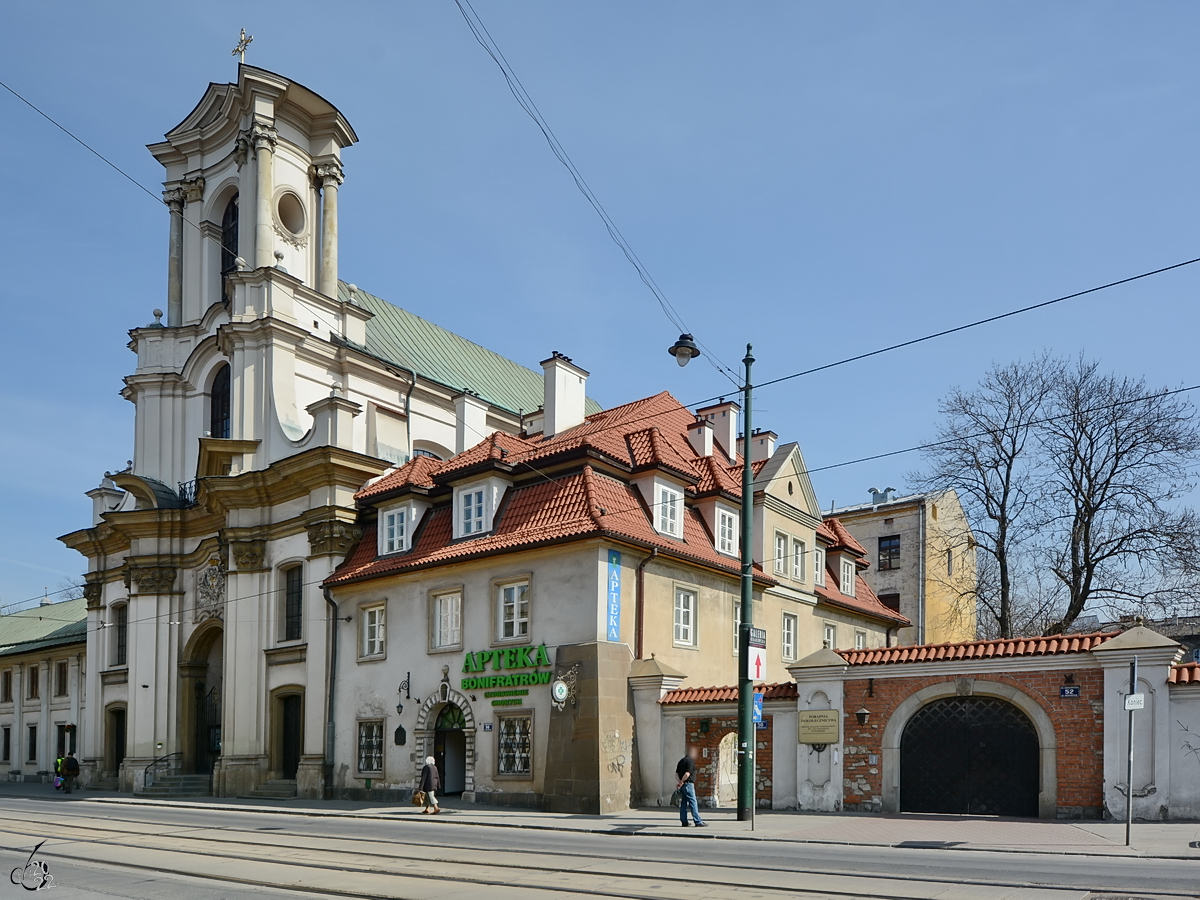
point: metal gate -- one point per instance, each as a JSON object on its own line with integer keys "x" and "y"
{"x": 969, "y": 755}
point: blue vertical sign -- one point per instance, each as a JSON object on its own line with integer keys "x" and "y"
{"x": 614, "y": 595}
{"x": 758, "y": 712}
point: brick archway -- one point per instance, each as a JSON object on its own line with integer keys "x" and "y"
{"x": 427, "y": 719}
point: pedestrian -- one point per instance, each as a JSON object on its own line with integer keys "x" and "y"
{"x": 431, "y": 783}
{"x": 58, "y": 779}
{"x": 686, "y": 773}
{"x": 70, "y": 770}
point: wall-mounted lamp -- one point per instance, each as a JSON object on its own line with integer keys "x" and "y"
{"x": 704, "y": 726}
{"x": 863, "y": 715}
{"x": 1070, "y": 678}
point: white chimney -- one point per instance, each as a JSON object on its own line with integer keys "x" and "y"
{"x": 470, "y": 421}
{"x": 700, "y": 436}
{"x": 566, "y": 393}
{"x": 723, "y": 418}
{"x": 762, "y": 445}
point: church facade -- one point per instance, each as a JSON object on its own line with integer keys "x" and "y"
{"x": 269, "y": 395}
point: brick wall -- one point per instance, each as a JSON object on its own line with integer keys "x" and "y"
{"x": 1078, "y": 726}
{"x": 706, "y": 766}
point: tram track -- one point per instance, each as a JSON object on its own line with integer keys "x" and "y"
{"x": 81, "y": 837}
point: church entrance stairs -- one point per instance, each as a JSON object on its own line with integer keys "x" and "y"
{"x": 179, "y": 786}
{"x": 276, "y": 789}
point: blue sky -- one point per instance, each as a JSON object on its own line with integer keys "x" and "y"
{"x": 819, "y": 179}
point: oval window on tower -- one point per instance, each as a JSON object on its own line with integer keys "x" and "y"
{"x": 291, "y": 212}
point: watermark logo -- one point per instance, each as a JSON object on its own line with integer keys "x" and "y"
{"x": 34, "y": 875}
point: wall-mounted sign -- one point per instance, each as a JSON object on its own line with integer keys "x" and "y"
{"x": 487, "y": 726}
{"x": 506, "y": 689}
{"x": 1135, "y": 701}
{"x": 819, "y": 726}
{"x": 614, "y": 596}
{"x": 1069, "y": 692}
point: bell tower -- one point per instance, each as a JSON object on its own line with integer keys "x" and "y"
{"x": 252, "y": 177}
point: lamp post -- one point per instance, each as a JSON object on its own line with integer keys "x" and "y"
{"x": 685, "y": 350}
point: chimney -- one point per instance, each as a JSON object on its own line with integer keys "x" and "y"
{"x": 762, "y": 445}
{"x": 878, "y": 498}
{"x": 700, "y": 436}
{"x": 565, "y": 386}
{"x": 723, "y": 417}
{"x": 470, "y": 421}
{"x": 105, "y": 498}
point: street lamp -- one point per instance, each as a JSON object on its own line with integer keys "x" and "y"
{"x": 685, "y": 350}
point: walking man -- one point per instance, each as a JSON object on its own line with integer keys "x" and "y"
{"x": 70, "y": 771}
{"x": 686, "y": 773}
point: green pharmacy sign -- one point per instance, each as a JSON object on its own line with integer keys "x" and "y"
{"x": 508, "y": 688}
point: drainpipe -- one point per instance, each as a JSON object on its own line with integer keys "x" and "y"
{"x": 412, "y": 384}
{"x": 331, "y": 679}
{"x": 641, "y": 603}
{"x": 921, "y": 575}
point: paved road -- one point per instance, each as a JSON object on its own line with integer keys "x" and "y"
{"x": 97, "y": 849}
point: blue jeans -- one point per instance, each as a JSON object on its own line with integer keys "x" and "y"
{"x": 688, "y": 801}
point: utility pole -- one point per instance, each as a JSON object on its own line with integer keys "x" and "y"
{"x": 746, "y": 734}
{"x": 1130, "y": 705}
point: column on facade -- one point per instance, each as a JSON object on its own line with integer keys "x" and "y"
{"x": 328, "y": 177}
{"x": 174, "y": 200}
{"x": 650, "y": 680}
{"x": 75, "y": 687}
{"x": 45, "y": 726}
{"x": 819, "y": 681}
{"x": 265, "y": 137}
{"x": 18, "y": 725}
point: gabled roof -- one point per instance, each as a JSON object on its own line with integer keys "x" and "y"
{"x": 864, "y": 601}
{"x": 785, "y": 691}
{"x": 995, "y": 649}
{"x": 41, "y": 627}
{"x": 402, "y": 338}
{"x": 843, "y": 539}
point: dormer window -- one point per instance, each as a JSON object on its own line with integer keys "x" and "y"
{"x": 670, "y": 512}
{"x": 847, "y": 581}
{"x": 471, "y": 503}
{"x": 727, "y": 536}
{"x": 393, "y": 531}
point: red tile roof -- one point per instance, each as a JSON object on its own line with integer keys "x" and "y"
{"x": 864, "y": 600}
{"x": 1184, "y": 673}
{"x": 843, "y": 539}
{"x": 586, "y": 504}
{"x": 1004, "y": 647}
{"x": 417, "y": 471}
{"x": 786, "y": 691}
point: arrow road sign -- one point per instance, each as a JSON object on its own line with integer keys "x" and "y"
{"x": 756, "y": 663}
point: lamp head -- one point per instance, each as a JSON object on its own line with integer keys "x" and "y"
{"x": 684, "y": 350}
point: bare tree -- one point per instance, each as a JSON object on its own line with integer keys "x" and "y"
{"x": 985, "y": 449}
{"x": 1118, "y": 457}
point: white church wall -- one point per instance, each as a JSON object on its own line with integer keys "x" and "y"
{"x": 1185, "y": 751}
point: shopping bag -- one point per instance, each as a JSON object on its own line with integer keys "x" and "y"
{"x": 418, "y": 798}
{"x": 677, "y": 797}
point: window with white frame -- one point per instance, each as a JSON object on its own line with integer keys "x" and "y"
{"x": 790, "y": 626}
{"x": 515, "y": 744}
{"x": 471, "y": 511}
{"x": 727, "y": 536}
{"x": 447, "y": 620}
{"x": 829, "y": 640}
{"x": 819, "y": 566}
{"x": 393, "y": 530}
{"x": 513, "y": 610}
{"x": 685, "y": 617}
{"x": 370, "y": 747}
{"x": 781, "y": 553}
{"x": 737, "y": 626}
{"x": 799, "y": 554}
{"x": 860, "y": 640}
{"x": 373, "y": 630}
{"x": 670, "y": 512}
{"x": 847, "y": 581}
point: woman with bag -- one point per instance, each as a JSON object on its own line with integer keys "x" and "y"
{"x": 430, "y": 783}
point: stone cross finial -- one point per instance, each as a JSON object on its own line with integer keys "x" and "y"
{"x": 240, "y": 50}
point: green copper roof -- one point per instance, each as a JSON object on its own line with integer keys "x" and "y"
{"x": 43, "y": 626}
{"x": 397, "y": 336}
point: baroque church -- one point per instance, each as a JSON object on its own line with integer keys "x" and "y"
{"x": 271, "y": 393}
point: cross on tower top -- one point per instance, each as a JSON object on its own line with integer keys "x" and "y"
{"x": 240, "y": 49}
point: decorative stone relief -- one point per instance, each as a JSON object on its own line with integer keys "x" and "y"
{"x": 964, "y": 687}
{"x": 193, "y": 189}
{"x": 91, "y": 593}
{"x": 210, "y": 590}
{"x": 174, "y": 197}
{"x": 263, "y": 136}
{"x": 326, "y": 174}
{"x": 249, "y": 555}
{"x": 336, "y": 538}
{"x": 241, "y": 149}
{"x": 153, "y": 579}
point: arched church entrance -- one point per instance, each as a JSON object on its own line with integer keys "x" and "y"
{"x": 286, "y": 731}
{"x": 970, "y": 755}
{"x": 727, "y": 770}
{"x": 201, "y": 670}
{"x": 450, "y": 749}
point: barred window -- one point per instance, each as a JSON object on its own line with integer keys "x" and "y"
{"x": 516, "y": 745}
{"x": 370, "y": 746}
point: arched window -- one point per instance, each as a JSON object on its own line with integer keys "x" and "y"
{"x": 229, "y": 235}
{"x": 218, "y": 421}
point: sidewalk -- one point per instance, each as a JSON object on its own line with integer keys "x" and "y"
{"x": 1166, "y": 840}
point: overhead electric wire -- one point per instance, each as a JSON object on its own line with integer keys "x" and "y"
{"x": 517, "y": 89}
